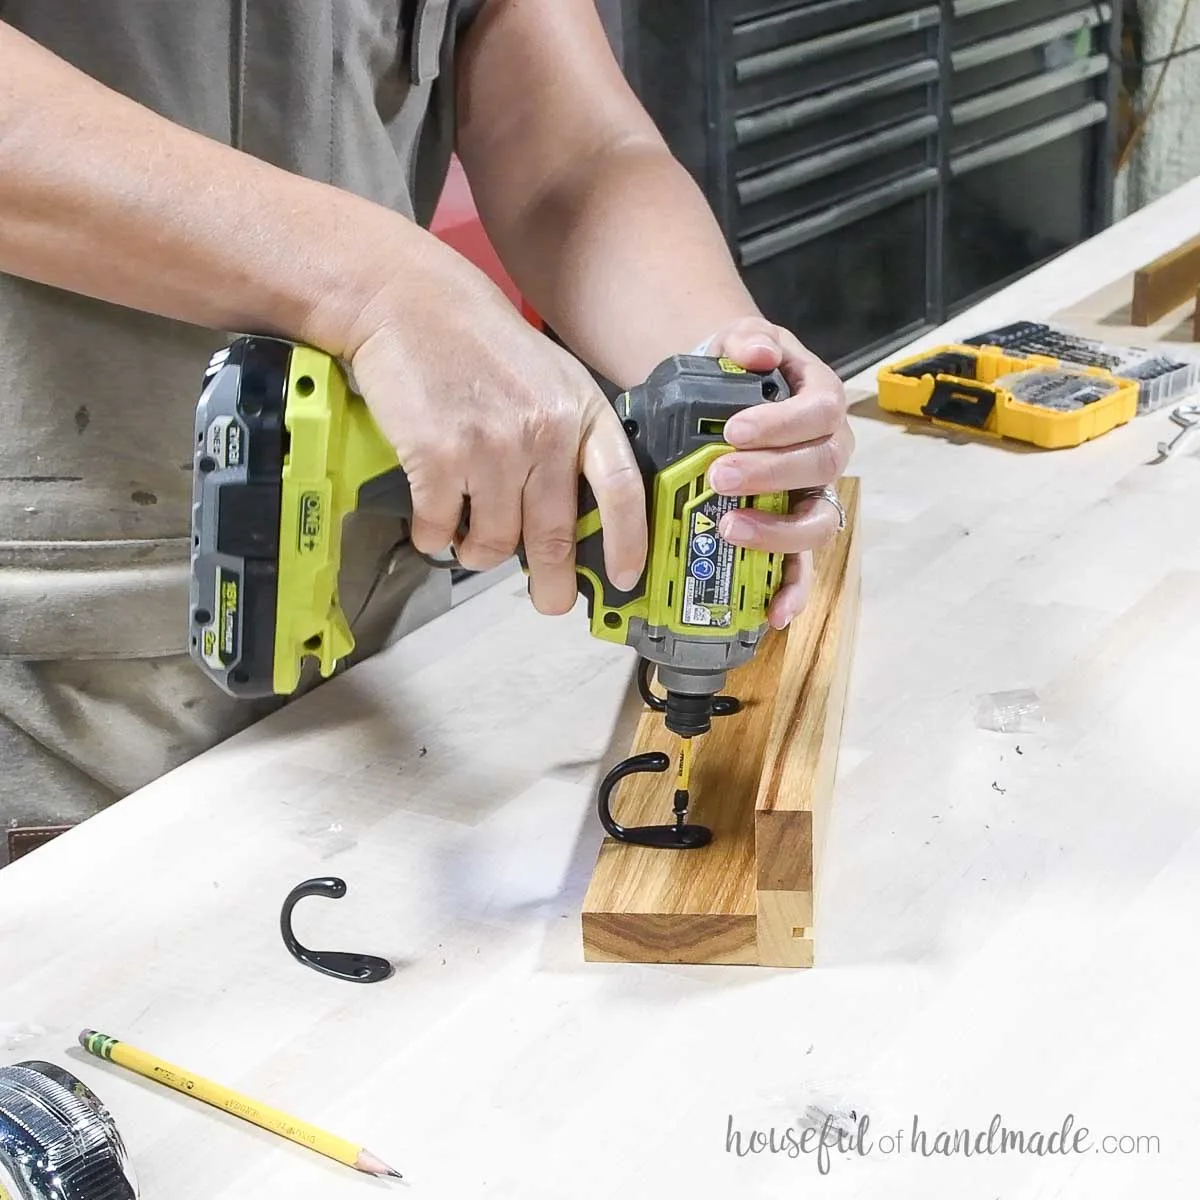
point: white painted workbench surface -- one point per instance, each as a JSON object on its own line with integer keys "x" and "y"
{"x": 1002, "y": 931}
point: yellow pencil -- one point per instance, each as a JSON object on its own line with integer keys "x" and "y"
{"x": 270, "y": 1119}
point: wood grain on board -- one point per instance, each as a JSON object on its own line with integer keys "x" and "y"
{"x": 796, "y": 782}
{"x": 761, "y": 781}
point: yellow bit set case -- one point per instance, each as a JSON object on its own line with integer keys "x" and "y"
{"x": 1031, "y": 398}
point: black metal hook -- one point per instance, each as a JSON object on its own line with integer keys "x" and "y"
{"x": 662, "y": 837}
{"x": 354, "y": 968}
{"x": 722, "y": 706}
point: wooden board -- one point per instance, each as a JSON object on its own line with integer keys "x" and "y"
{"x": 1107, "y": 315}
{"x": 761, "y": 780}
{"x": 796, "y": 781}
{"x": 1166, "y": 283}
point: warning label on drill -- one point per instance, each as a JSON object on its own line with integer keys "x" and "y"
{"x": 709, "y": 567}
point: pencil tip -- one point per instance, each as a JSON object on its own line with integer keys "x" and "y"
{"x": 376, "y": 1166}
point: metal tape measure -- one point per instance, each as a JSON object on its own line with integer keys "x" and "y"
{"x": 57, "y": 1141}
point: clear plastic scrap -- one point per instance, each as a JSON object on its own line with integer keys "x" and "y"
{"x": 1018, "y": 711}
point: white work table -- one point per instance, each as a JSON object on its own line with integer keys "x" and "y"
{"x": 1008, "y": 922}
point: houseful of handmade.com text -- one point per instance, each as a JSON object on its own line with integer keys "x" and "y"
{"x": 832, "y": 1138}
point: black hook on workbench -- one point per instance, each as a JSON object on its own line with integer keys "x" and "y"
{"x": 722, "y": 706}
{"x": 354, "y": 968}
{"x": 661, "y": 837}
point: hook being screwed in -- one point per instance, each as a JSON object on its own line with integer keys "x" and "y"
{"x": 679, "y": 835}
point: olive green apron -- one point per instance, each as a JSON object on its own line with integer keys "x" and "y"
{"x": 97, "y": 696}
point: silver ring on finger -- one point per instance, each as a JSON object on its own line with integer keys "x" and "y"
{"x": 827, "y": 493}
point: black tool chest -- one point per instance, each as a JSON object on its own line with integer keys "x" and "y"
{"x": 878, "y": 164}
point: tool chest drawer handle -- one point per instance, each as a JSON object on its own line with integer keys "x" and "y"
{"x": 989, "y": 103}
{"x": 968, "y": 8}
{"x": 795, "y": 54}
{"x": 787, "y": 237}
{"x": 1009, "y": 44}
{"x": 793, "y": 22}
{"x": 783, "y": 118}
{"x": 1030, "y": 139}
{"x": 792, "y": 175}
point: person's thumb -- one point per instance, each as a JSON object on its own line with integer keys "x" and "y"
{"x": 755, "y": 346}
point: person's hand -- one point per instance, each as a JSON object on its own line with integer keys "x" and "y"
{"x": 482, "y": 407}
{"x": 802, "y": 442}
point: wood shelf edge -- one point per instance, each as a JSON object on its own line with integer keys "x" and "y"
{"x": 696, "y": 938}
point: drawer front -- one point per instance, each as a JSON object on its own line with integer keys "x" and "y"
{"x": 807, "y": 67}
{"x": 795, "y": 75}
{"x": 978, "y": 20}
{"x": 1021, "y": 54}
{"x": 1007, "y": 122}
{"x": 813, "y": 181}
{"x": 755, "y": 32}
{"x": 1006, "y": 209}
{"x": 769, "y": 137}
{"x": 851, "y": 285}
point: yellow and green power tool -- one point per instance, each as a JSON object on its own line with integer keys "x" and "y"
{"x": 285, "y": 449}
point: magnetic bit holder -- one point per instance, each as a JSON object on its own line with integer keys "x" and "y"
{"x": 354, "y": 968}
{"x": 722, "y": 706}
{"x": 661, "y": 837}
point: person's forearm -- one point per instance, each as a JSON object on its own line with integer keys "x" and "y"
{"x": 100, "y": 196}
{"x": 626, "y": 261}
